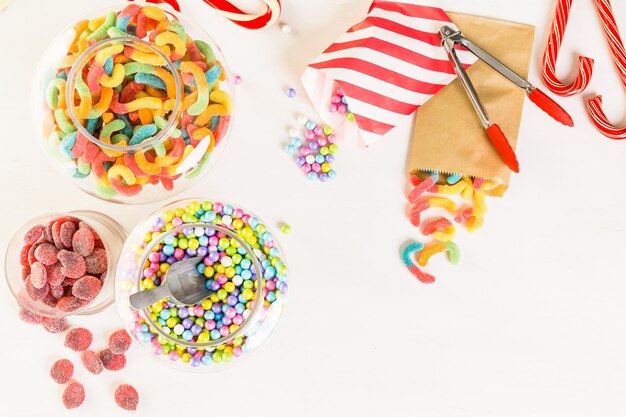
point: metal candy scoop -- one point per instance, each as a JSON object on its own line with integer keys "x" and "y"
{"x": 182, "y": 283}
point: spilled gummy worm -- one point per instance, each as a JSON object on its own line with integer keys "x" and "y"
{"x": 408, "y": 250}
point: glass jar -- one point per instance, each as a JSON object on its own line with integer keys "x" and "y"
{"x": 133, "y": 102}
{"x": 236, "y": 256}
{"x": 110, "y": 237}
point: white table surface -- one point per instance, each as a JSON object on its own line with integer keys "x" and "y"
{"x": 532, "y": 322}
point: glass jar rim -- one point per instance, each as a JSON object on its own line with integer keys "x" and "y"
{"x": 258, "y": 303}
{"x": 76, "y": 70}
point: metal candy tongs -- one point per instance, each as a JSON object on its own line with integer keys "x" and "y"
{"x": 450, "y": 37}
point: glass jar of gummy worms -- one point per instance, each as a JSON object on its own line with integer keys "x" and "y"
{"x": 134, "y": 103}
{"x": 240, "y": 263}
{"x": 63, "y": 264}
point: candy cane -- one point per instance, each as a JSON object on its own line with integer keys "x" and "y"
{"x": 616, "y": 46}
{"x": 585, "y": 65}
{"x": 236, "y": 15}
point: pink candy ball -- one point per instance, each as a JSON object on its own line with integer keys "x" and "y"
{"x": 179, "y": 254}
{"x": 224, "y": 331}
{"x": 154, "y": 257}
{"x": 230, "y": 313}
{"x": 173, "y": 355}
{"x": 222, "y": 279}
{"x": 335, "y": 99}
{"x": 237, "y": 213}
{"x": 270, "y": 285}
{"x": 304, "y": 151}
{"x": 214, "y": 240}
{"x": 309, "y": 135}
{"x": 177, "y": 221}
{"x": 198, "y": 310}
{"x": 318, "y": 131}
{"x": 218, "y": 207}
{"x": 237, "y": 351}
{"x": 306, "y": 168}
{"x": 332, "y": 108}
{"x": 322, "y": 141}
{"x": 342, "y": 109}
{"x": 209, "y": 324}
{"x": 316, "y": 167}
{"x": 238, "y": 319}
{"x": 237, "y": 80}
{"x": 331, "y": 138}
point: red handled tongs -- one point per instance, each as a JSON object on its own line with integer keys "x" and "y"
{"x": 451, "y": 37}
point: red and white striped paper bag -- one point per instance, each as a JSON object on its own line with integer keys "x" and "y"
{"x": 387, "y": 65}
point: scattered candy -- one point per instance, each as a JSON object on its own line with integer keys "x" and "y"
{"x": 428, "y": 251}
{"x": 92, "y": 362}
{"x": 54, "y": 325}
{"x": 285, "y": 228}
{"x": 62, "y": 371}
{"x": 291, "y": 92}
{"x": 126, "y": 397}
{"x": 406, "y": 258}
{"x": 78, "y": 339}
{"x": 285, "y": 28}
{"x": 119, "y": 342}
{"x": 74, "y": 395}
{"x": 112, "y": 361}
{"x": 453, "y": 251}
{"x": 317, "y": 152}
{"x": 29, "y": 317}
{"x": 237, "y": 80}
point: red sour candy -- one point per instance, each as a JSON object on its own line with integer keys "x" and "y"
{"x": 57, "y": 291}
{"x": 66, "y": 233}
{"x": 78, "y": 339}
{"x": 46, "y": 253}
{"x": 74, "y": 395}
{"x": 97, "y": 261}
{"x": 83, "y": 242}
{"x": 29, "y": 317}
{"x": 33, "y": 234}
{"x": 119, "y": 342}
{"x": 73, "y": 264}
{"x": 33, "y": 292}
{"x": 86, "y": 288}
{"x": 127, "y": 397}
{"x": 54, "y": 325}
{"x": 38, "y": 275}
{"x": 92, "y": 362}
{"x": 56, "y": 234}
{"x": 111, "y": 361}
{"x": 70, "y": 303}
{"x": 54, "y": 274}
{"x": 24, "y": 255}
{"x": 62, "y": 371}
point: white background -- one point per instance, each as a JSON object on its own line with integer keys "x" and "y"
{"x": 532, "y": 322}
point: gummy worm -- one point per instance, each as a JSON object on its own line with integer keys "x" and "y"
{"x": 202, "y": 87}
{"x": 428, "y": 251}
{"x": 406, "y": 259}
{"x": 106, "y": 95}
{"x": 115, "y": 79}
{"x": 55, "y": 94}
{"x": 453, "y": 252}
{"x": 171, "y": 38}
{"x": 101, "y": 32}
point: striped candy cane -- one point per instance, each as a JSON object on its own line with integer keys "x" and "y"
{"x": 616, "y": 46}
{"x": 236, "y": 15}
{"x": 585, "y": 65}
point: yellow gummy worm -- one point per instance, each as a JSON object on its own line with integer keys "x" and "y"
{"x": 79, "y": 28}
{"x": 480, "y": 208}
{"x": 212, "y": 110}
{"x": 121, "y": 59}
{"x": 442, "y": 202}
{"x": 190, "y": 99}
{"x": 173, "y": 39}
{"x": 106, "y": 96}
{"x": 474, "y": 223}
{"x": 85, "y": 99}
{"x": 469, "y": 189}
{"x": 67, "y": 61}
{"x": 122, "y": 172}
{"x": 453, "y": 189}
{"x": 100, "y": 32}
{"x": 107, "y": 117}
{"x": 168, "y": 106}
{"x": 168, "y": 79}
{"x": 55, "y": 94}
{"x": 202, "y": 86}
{"x": 154, "y": 12}
{"x": 144, "y": 103}
{"x": 424, "y": 255}
{"x": 145, "y": 115}
{"x": 148, "y": 58}
{"x": 222, "y": 97}
{"x": 95, "y": 22}
{"x": 83, "y": 43}
{"x": 107, "y": 52}
{"x": 445, "y": 236}
{"x": 147, "y": 167}
{"x": 115, "y": 79}
{"x": 155, "y": 92}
